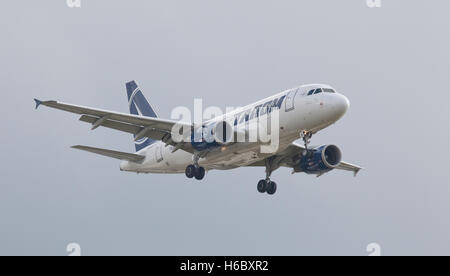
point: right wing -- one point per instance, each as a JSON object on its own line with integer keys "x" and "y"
{"x": 153, "y": 128}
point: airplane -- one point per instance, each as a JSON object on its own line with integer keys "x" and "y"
{"x": 302, "y": 112}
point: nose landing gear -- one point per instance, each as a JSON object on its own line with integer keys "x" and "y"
{"x": 306, "y": 136}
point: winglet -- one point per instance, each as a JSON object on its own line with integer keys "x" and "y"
{"x": 355, "y": 172}
{"x": 38, "y": 103}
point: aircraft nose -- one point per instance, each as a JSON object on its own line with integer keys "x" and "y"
{"x": 345, "y": 103}
{"x": 342, "y": 105}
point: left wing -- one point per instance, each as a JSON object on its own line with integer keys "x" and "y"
{"x": 349, "y": 167}
{"x": 290, "y": 155}
{"x": 295, "y": 148}
{"x": 153, "y": 128}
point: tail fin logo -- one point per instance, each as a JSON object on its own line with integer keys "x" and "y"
{"x": 131, "y": 102}
{"x": 139, "y": 106}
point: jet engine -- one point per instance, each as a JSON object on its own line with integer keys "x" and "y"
{"x": 213, "y": 135}
{"x": 319, "y": 160}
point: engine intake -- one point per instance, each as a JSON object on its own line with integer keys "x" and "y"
{"x": 331, "y": 156}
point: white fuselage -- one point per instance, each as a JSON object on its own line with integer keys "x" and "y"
{"x": 298, "y": 112}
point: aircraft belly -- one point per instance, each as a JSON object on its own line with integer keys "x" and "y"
{"x": 233, "y": 160}
{"x": 241, "y": 154}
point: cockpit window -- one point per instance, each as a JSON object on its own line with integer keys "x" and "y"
{"x": 320, "y": 90}
{"x": 329, "y": 90}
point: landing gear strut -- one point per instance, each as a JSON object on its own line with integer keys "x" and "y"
{"x": 306, "y": 136}
{"x": 266, "y": 185}
{"x": 195, "y": 170}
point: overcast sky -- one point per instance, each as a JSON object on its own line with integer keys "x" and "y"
{"x": 391, "y": 62}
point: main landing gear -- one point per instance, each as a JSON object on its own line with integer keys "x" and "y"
{"x": 195, "y": 170}
{"x": 266, "y": 185}
{"x": 270, "y": 187}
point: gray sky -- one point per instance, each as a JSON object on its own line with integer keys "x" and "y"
{"x": 392, "y": 63}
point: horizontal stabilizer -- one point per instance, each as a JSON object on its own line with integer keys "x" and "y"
{"x": 38, "y": 103}
{"x": 113, "y": 154}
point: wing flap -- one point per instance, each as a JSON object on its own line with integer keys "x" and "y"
{"x": 113, "y": 154}
{"x": 133, "y": 129}
{"x": 152, "y": 133}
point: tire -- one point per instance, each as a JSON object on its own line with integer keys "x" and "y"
{"x": 200, "y": 173}
{"x": 272, "y": 188}
{"x": 262, "y": 186}
{"x": 190, "y": 171}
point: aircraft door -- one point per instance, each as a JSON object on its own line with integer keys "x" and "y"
{"x": 290, "y": 100}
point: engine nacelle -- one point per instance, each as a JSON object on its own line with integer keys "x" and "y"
{"x": 320, "y": 160}
{"x": 223, "y": 133}
{"x": 213, "y": 135}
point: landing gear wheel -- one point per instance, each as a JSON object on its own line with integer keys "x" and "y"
{"x": 200, "y": 173}
{"x": 262, "y": 186}
{"x": 271, "y": 188}
{"x": 190, "y": 171}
